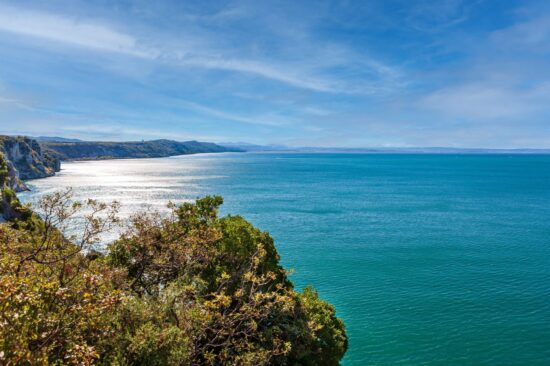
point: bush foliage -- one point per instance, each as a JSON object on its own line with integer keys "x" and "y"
{"x": 188, "y": 288}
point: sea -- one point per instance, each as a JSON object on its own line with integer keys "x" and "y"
{"x": 430, "y": 259}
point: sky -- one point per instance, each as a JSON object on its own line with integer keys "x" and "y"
{"x": 365, "y": 73}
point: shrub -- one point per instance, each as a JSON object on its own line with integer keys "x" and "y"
{"x": 188, "y": 288}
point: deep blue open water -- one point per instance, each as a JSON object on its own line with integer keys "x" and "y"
{"x": 429, "y": 259}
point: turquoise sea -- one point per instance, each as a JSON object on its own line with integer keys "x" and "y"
{"x": 429, "y": 259}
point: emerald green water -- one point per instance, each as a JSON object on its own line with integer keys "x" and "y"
{"x": 430, "y": 259}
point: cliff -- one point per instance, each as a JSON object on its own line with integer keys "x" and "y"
{"x": 10, "y": 207}
{"x": 26, "y": 159}
{"x": 120, "y": 150}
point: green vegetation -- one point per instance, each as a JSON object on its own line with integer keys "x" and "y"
{"x": 188, "y": 288}
{"x": 136, "y": 149}
{"x": 4, "y": 172}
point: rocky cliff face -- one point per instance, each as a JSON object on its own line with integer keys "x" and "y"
{"x": 25, "y": 159}
{"x": 10, "y": 207}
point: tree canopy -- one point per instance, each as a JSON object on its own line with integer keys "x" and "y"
{"x": 187, "y": 288}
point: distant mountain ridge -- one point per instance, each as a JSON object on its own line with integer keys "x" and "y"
{"x": 253, "y": 147}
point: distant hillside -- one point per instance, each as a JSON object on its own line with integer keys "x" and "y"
{"x": 55, "y": 139}
{"x": 252, "y": 147}
{"x": 119, "y": 150}
{"x": 379, "y": 150}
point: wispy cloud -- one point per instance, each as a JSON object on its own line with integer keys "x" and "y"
{"x": 435, "y": 16}
{"x": 260, "y": 69}
{"x": 69, "y": 30}
{"x": 484, "y": 101}
{"x": 8, "y": 102}
{"x": 258, "y": 120}
{"x": 533, "y": 33}
{"x": 90, "y": 34}
{"x": 84, "y": 33}
{"x": 506, "y": 78}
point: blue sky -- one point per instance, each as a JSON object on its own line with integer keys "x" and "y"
{"x": 302, "y": 73}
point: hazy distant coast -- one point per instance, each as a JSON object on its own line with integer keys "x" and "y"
{"x": 379, "y": 150}
{"x": 33, "y": 158}
{"x": 40, "y": 157}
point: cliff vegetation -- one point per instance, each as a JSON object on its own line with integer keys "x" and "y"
{"x": 188, "y": 288}
{"x": 141, "y": 149}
